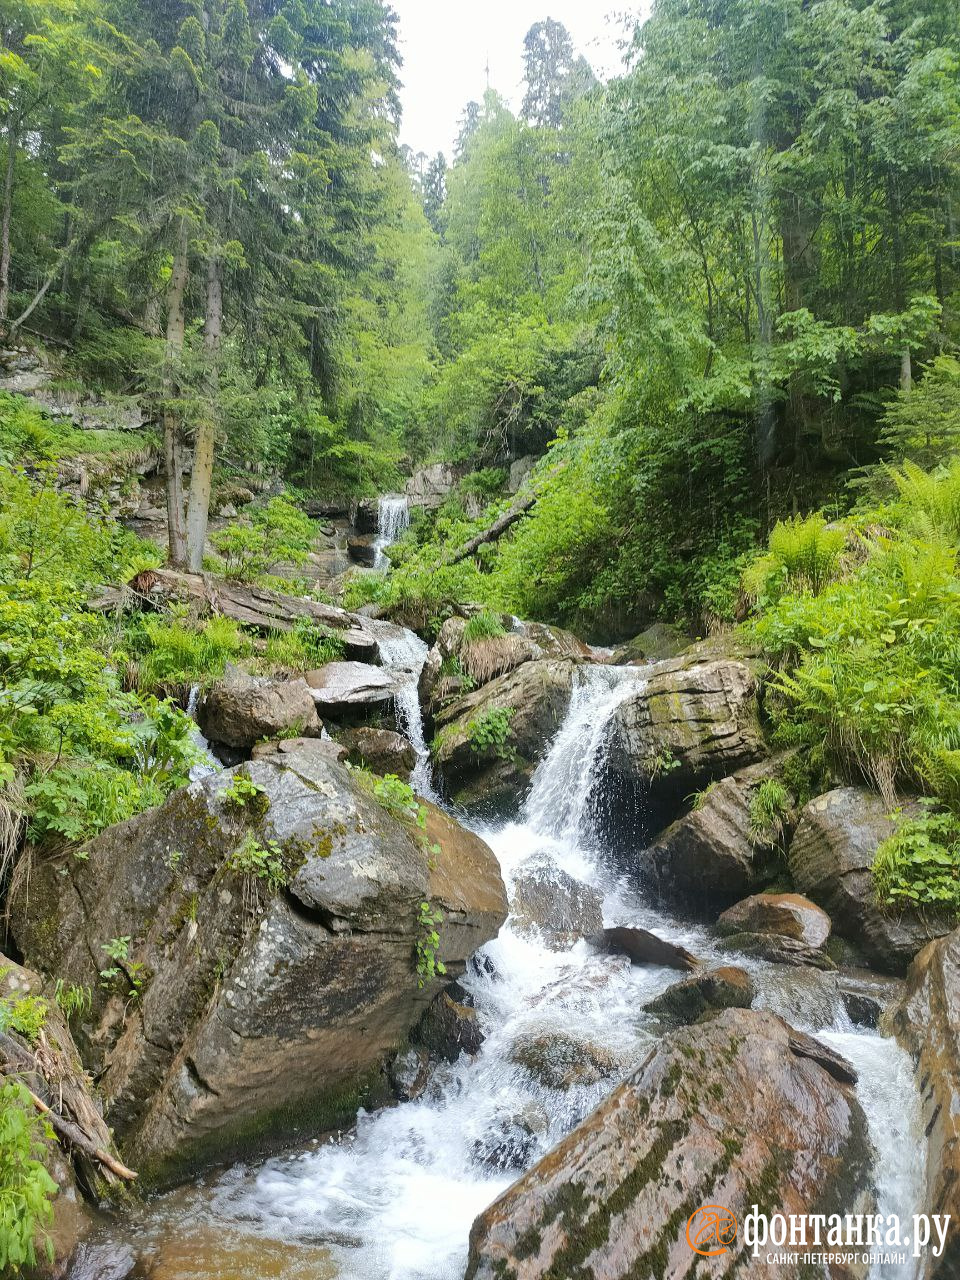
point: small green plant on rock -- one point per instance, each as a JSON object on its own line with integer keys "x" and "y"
{"x": 260, "y": 862}
{"x": 26, "y": 1188}
{"x": 919, "y": 865}
{"x": 489, "y": 733}
{"x": 429, "y": 964}
{"x": 769, "y": 806}
{"x": 74, "y": 1000}
{"x": 124, "y": 976}
{"x": 243, "y": 793}
{"x": 26, "y": 1016}
{"x": 400, "y": 799}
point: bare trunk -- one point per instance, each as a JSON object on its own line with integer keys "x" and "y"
{"x": 172, "y": 438}
{"x": 6, "y": 222}
{"x": 201, "y": 478}
{"x": 906, "y": 370}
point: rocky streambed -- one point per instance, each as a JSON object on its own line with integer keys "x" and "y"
{"x": 642, "y": 1017}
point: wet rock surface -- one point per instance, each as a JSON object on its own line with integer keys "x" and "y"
{"x": 562, "y": 1062}
{"x": 381, "y": 750}
{"x": 785, "y": 928}
{"x": 547, "y": 898}
{"x": 727, "y": 987}
{"x": 693, "y": 721}
{"x": 643, "y": 947}
{"x": 529, "y": 703}
{"x": 926, "y": 1021}
{"x": 346, "y": 691}
{"x": 714, "y": 1113}
{"x": 831, "y": 861}
{"x": 711, "y": 857}
{"x": 243, "y": 1008}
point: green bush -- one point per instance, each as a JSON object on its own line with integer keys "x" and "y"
{"x": 919, "y": 865}
{"x": 277, "y": 533}
{"x": 171, "y": 651}
{"x": 490, "y": 732}
{"x": 307, "y": 646}
{"x": 804, "y": 556}
{"x": 26, "y": 1189}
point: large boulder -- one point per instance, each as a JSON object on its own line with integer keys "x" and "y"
{"x": 926, "y": 1021}
{"x": 252, "y": 949}
{"x": 240, "y": 710}
{"x": 550, "y": 900}
{"x": 715, "y": 1113}
{"x": 692, "y": 721}
{"x": 348, "y": 691}
{"x": 381, "y": 750}
{"x": 783, "y": 927}
{"x": 489, "y": 742}
{"x": 712, "y": 856}
{"x": 831, "y": 861}
{"x": 455, "y": 665}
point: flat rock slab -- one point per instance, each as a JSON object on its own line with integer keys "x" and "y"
{"x": 351, "y": 685}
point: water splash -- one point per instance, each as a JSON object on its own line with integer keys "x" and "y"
{"x": 393, "y": 520}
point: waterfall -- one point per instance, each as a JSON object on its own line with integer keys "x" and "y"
{"x": 404, "y": 653}
{"x": 395, "y": 1199}
{"x": 562, "y": 799}
{"x": 393, "y": 519}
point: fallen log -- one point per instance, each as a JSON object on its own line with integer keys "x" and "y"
{"x": 257, "y": 607}
{"x": 77, "y": 1138}
{"x": 495, "y": 530}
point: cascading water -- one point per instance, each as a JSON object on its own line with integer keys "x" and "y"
{"x": 393, "y": 519}
{"x": 404, "y": 653}
{"x": 396, "y": 1198}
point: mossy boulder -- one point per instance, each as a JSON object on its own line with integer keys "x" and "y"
{"x": 691, "y": 722}
{"x": 736, "y": 1111}
{"x": 727, "y": 987}
{"x": 488, "y": 742}
{"x": 262, "y": 928}
{"x": 831, "y": 860}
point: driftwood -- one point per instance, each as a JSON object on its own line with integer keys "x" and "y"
{"x": 256, "y": 607}
{"x": 77, "y": 1138}
{"x": 495, "y": 530}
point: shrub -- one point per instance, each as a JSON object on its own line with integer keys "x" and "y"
{"x": 804, "y": 555}
{"x": 919, "y": 864}
{"x": 769, "y": 805}
{"x": 490, "y": 732}
{"x": 307, "y": 646}
{"x": 173, "y": 651}
{"x": 272, "y": 534}
{"x": 26, "y": 1188}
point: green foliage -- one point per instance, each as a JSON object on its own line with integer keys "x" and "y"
{"x": 26, "y": 1189}
{"x": 175, "y": 650}
{"x": 429, "y": 964}
{"x": 306, "y": 647}
{"x": 483, "y": 626}
{"x": 26, "y": 1015}
{"x": 919, "y": 865}
{"x": 769, "y": 805}
{"x": 400, "y": 799}
{"x": 75, "y": 1000}
{"x": 243, "y": 793}
{"x": 489, "y": 733}
{"x": 262, "y": 862}
{"x": 278, "y": 533}
{"x": 923, "y": 422}
{"x": 804, "y": 555}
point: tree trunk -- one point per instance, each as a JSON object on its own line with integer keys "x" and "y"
{"x": 6, "y": 223}
{"x": 172, "y": 438}
{"x": 906, "y": 370}
{"x": 201, "y": 479}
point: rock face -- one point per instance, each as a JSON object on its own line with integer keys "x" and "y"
{"x": 381, "y": 750}
{"x": 430, "y": 486}
{"x": 529, "y": 703}
{"x": 711, "y": 857}
{"x": 561, "y": 908}
{"x": 725, "y": 988}
{"x": 714, "y": 1113}
{"x": 449, "y": 1028}
{"x": 362, "y": 551}
{"x": 831, "y": 859}
{"x": 694, "y": 721}
{"x": 347, "y": 691}
{"x": 656, "y": 643}
{"x": 239, "y": 1005}
{"x": 927, "y": 1023}
{"x": 562, "y": 1062}
{"x": 241, "y": 710}
{"x": 782, "y": 927}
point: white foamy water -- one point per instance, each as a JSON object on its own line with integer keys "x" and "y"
{"x": 393, "y": 520}
{"x": 395, "y": 1199}
{"x": 404, "y": 653}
